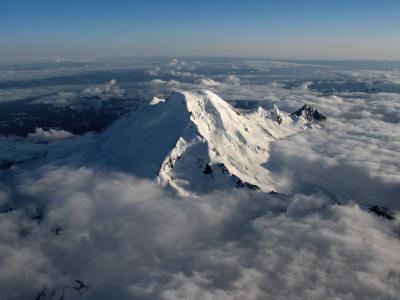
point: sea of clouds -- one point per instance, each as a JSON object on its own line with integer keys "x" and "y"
{"x": 126, "y": 238}
{"x": 72, "y": 228}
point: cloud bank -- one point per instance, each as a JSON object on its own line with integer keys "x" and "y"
{"x": 126, "y": 238}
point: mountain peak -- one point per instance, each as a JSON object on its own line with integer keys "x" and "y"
{"x": 196, "y": 141}
{"x": 309, "y": 113}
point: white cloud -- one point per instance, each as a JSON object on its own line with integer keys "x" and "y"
{"x": 45, "y": 136}
{"x": 154, "y": 72}
{"x": 208, "y": 82}
{"x": 110, "y": 89}
{"x": 358, "y": 159}
{"x": 127, "y": 237}
{"x": 177, "y": 63}
{"x": 233, "y": 79}
{"x": 181, "y": 74}
{"x": 169, "y": 83}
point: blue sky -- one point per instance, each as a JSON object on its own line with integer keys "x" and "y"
{"x": 352, "y": 29}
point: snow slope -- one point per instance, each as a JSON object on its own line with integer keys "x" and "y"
{"x": 195, "y": 142}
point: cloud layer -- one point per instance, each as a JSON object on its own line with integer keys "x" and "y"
{"x": 126, "y": 237}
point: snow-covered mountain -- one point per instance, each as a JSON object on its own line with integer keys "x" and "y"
{"x": 195, "y": 142}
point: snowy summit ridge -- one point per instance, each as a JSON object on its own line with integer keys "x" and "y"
{"x": 195, "y": 142}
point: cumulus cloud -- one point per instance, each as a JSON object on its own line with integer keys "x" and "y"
{"x": 233, "y": 79}
{"x": 358, "y": 160}
{"x": 177, "y": 63}
{"x": 45, "y": 136}
{"x": 154, "y": 72}
{"x": 182, "y": 74}
{"x": 208, "y": 82}
{"x": 110, "y": 89}
{"x": 125, "y": 237}
{"x": 168, "y": 83}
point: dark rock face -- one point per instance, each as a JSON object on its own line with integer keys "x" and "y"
{"x": 208, "y": 170}
{"x": 382, "y": 211}
{"x": 243, "y": 184}
{"x": 310, "y": 113}
{"x": 278, "y": 119}
{"x": 78, "y": 288}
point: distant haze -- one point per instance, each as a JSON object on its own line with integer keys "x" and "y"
{"x": 312, "y": 29}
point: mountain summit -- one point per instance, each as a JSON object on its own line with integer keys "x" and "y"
{"x": 195, "y": 142}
